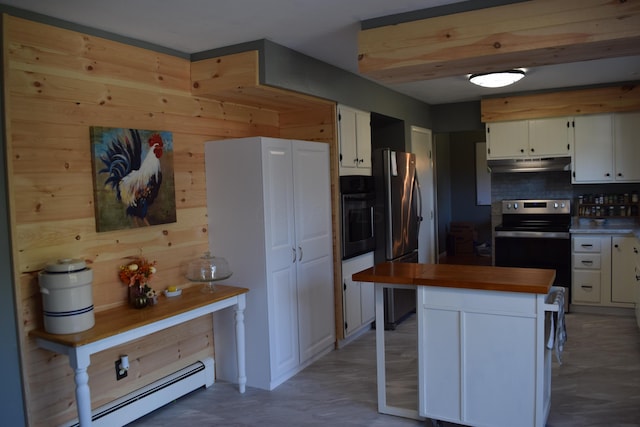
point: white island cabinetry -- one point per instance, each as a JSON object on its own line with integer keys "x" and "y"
{"x": 269, "y": 211}
{"x": 485, "y": 364}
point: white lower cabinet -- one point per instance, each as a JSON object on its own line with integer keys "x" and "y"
{"x": 602, "y": 270}
{"x": 358, "y": 298}
{"x": 269, "y": 212}
{"x": 483, "y": 359}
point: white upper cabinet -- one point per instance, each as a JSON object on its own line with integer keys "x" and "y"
{"x": 355, "y": 141}
{"x": 507, "y": 140}
{"x": 550, "y": 137}
{"x": 593, "y": 156}
{"x": 607, "y": 148}
{"x": 626, "y": 133}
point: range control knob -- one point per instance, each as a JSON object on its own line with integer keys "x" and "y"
{"x": 508, "y": 206}
{"x": 555, "y": 205}
{"x": 562, "y": 205}
{"x": 515, "y": 206}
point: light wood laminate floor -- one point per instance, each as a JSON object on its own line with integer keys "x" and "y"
{"x": 597, "y": 385}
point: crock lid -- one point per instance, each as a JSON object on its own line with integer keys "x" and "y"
{"x": 66, "y": 265}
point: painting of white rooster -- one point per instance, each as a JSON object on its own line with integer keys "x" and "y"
{"x": 133, "y": 177}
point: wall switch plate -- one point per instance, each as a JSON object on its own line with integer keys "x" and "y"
{"x": 119, "y": 375}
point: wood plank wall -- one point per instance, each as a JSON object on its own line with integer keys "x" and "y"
{"x": 58, "y": 83}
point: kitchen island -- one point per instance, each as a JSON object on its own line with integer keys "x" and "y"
{"x": 483, "y": 358}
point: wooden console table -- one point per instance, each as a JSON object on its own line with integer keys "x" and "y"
{"x": 123, "y": 324}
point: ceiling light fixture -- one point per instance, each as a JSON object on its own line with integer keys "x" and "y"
{"x": 497, "y": 79}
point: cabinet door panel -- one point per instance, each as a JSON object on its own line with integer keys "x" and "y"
{"x": 312, "y": 189}
{"x": 507, "y": 139}
{"x": 283, "y": 321}
{"x": 593, "y": 148}
{"x": 627, "y": 146}
{"x": 550, "y": 137}
{"x": 352, "y": 309}
{"x": 363, "y": 124}
{"x": 622, "y": 269}
{"x": 440, "y": 382}
{"x": 499, "y": 388}
{"x": 279, "y": 209}
{"x": 348, "y": 134}
{"x": 315, "y": 306}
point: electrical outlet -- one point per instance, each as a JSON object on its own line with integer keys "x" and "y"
{"x": 120, "y": 373}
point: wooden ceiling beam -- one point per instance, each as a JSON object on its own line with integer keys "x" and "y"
{"x": 519, "y": 35}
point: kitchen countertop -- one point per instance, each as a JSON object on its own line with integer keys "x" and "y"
{"x": 505, "y": 279}
{"x": 611, "y": 226}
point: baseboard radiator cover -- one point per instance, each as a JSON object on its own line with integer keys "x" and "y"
{"x": 151, "y": 397}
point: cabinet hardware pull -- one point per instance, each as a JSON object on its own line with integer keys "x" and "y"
{"x": 355, "y": 160}
{"x": 587, "y": 262}
{"x": 586, "y": 286}
{"x": 587, "y": 245}
{"x": 615, "y": 246}
{"x": 300, "y": 249}
{"x": 294, "y": 253}
{"x": 635, "y": 250}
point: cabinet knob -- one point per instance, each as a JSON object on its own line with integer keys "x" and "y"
{"x": 533, "y": 150}
{"x": 616, "y": 246}
{"x": 355, "y": 160}
{"x": 607, "y": 174}
{"x": 619, "y": 174}
{"x": 522, "y": 150}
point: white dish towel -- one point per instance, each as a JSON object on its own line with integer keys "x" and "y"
{"x": 558, "y": 333}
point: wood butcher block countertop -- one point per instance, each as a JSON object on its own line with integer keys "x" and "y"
{"x": 506, "y": 279}
{"x": 121, "y": 319}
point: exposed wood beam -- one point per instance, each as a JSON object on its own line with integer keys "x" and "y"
{"x": 236, "y": 78}
{"x": 527, "y": 34}
{"x": 564, "y": 103}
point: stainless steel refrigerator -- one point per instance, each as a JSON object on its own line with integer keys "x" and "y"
{"x": 397, "y": 221}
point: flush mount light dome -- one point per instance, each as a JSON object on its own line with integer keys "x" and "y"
{"x": 497, "y": 79}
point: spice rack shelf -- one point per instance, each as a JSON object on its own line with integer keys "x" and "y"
{"x": 609, "y": 210}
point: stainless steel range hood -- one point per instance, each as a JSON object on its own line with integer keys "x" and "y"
{"x": 551, "y": 164}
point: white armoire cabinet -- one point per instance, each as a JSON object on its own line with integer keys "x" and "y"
{"x": 269, "y": 212}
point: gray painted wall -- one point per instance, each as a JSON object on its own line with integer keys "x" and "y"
{"x": 11, "y": 392}
{"x": 463, "y": 183}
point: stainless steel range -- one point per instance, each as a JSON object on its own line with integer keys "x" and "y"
{"x": 535, "y": 234}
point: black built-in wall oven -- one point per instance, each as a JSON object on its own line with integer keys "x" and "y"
{"x": 535, "y": 234}
{"x": 357, "y": 194}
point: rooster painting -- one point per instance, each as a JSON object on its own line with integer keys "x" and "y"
{"x": 127, "y": 162}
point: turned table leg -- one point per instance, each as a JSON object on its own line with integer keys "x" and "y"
{"x": 239, "y": 317}
{"x": 80, "y": 362}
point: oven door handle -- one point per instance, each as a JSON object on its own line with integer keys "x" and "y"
{"x": 360, "y": 197}
{"x": 534, "y": 234}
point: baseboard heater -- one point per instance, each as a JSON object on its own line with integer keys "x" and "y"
{"x": 149, "y": 398}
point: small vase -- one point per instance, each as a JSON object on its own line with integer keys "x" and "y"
{"x": 137, "y": 297}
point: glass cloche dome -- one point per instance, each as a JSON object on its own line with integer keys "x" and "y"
{"x": 208, "y": 269}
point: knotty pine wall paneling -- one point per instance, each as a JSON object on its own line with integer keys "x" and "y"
{"x": 58, "y": 83}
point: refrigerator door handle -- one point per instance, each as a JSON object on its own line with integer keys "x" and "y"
{"x": 418, "y": 192}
